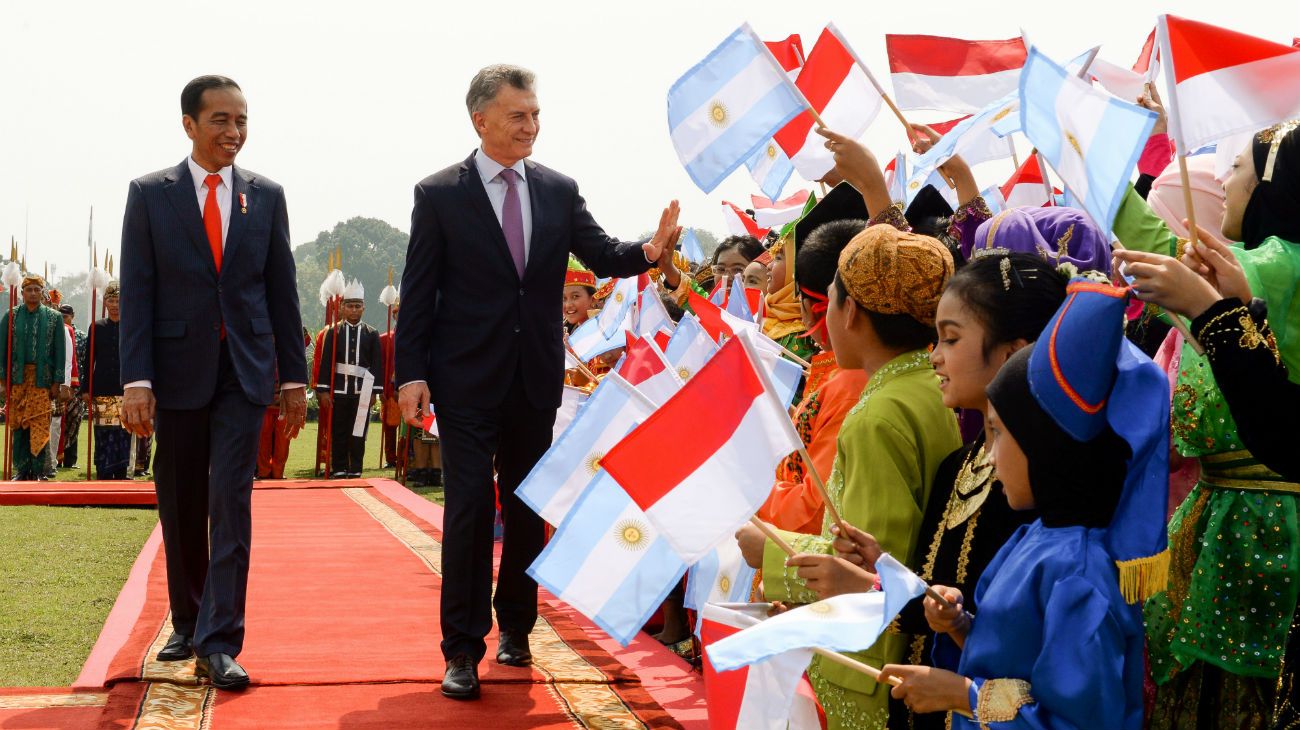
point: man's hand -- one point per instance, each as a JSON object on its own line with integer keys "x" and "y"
{"x": 293, "y": 410}
{"x": 659, "y": 248}
{"x": 926, "y": 689}
{"x": 414, "y": 400}
{"x": 137, "y": 411}
{"x": 828, "y": 575}
{"x": 325, "y": 398}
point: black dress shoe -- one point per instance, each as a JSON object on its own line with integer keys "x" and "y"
{"x": 512, "y": 649}
{"x": 178, "y": 647}
{"x": 223, "y": 670}
{"x": 461, "y": 680}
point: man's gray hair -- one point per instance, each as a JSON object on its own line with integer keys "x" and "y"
{"x": 489, "y": 80}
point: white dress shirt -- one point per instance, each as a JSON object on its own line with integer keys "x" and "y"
{"x": 496, "y": 187}
{"x": 225, "y": 191}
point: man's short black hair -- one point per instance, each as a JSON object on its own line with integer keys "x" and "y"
{"x": 67, "y": 309}
{"x": 192, "y": 94}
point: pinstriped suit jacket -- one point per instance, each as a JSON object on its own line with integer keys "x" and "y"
{"x": 174, "y": 302}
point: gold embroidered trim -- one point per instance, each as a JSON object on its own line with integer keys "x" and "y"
{"x": 41, "y": 702}
{"x": 1000, "y": 700}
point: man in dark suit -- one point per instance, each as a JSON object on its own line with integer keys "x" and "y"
{"x": 210, "y": 312}
{"x": 481, "y": 337}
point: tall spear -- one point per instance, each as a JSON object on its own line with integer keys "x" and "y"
{"x": 337, "y": 300}
{"x": 387, "y": 297}
{"x": 13, "y": 276}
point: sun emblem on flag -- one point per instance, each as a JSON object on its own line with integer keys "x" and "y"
{"x": 593, "y": 462}
{"x": 821, "y": 609}
{"x": 631, "y": 534}
{"x": 771, "y": 151}
{"x": 915, "y": 184}
{"x": 684, "y": 373}
{"x": 724, "y": 585}
{"x": 1000, "y": 115}
{"x": 618, "y": 297}
{"x": 718, "y": 114}
{"x": 1074, "y": 142}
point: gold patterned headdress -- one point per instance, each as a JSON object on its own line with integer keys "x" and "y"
{"x": 893, "y": 272}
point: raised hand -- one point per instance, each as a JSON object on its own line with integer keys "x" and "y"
{"x": 660, "y": 247}
{"x": 855, "y": 163}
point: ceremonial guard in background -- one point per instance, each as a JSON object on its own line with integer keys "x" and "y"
{"x": 358, "y": 368}
{"x": 75, "y": 411}
{"x": 112, "y": 442}
{"x": 36, "y": 375}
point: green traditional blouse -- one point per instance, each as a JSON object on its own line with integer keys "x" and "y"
{"x": 38, "y": 339}
{"x": 1234, "y": 543}
{"x": 888, "y": 450}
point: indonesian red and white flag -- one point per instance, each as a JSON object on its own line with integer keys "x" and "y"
{"x": 718, "y": 322}
{"x": 719, "y": 477}
{"x": 739, "y": 223}
{"x": 839, "y": 87}
{"x": 788, "y": 53}
{"x": 771, "y": 695}
{"x": 951, "y": 74}
{"x": 770, "y": 213}
{"x": 1224, "y": 82}
{"x": 644, "y": 366}
{"x": 1025, "y": 189}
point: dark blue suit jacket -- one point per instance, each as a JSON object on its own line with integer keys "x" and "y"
{"x": 469, "y": 323}
{"x": 173, "y": 301}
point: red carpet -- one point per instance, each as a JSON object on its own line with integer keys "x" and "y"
{"x": 126, "y": 492}
{"x": 343, "y": 632}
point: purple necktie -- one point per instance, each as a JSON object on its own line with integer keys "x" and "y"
{"x": 512, "y": 219}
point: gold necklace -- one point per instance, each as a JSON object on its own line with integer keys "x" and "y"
{"x": 970, "y": 489}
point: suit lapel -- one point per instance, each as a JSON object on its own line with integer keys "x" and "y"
{"x": 180, "y": 193}
{"x": 472, "y": 183}
{"x": 239, "y": 185}
{"x": 537, "y": 242}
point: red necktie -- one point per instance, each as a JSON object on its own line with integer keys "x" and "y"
{"x": 212, "y": 219}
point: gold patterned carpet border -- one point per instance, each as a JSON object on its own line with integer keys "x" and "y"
{"x": 45, "y": 701}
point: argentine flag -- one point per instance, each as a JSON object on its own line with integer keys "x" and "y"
{"x": 617, "y": 306}
{"x": 689, "y": 347}
{"x": 974, "y": 132}
{"x": 557, "y": 479}
{"x": 722, "y": 576}
{"x": 847, "y": 622}
{"x": 588, "y": 341}
{"x": 738, "y": 302}
{"x": 771, "y": 168}
{"x": 1091, "y": 139}
{"x": 728, "y": 106}
{"x": 690, "y": 247}
{"x": 608, "y": 562}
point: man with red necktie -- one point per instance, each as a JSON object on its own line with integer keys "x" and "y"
{"x": 211, "y": 314}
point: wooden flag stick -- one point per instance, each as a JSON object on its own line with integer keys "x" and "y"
{"x": 772, "y": 535}
{"x": 1176, "y": 321}
{"x": 582, "y": 368}
{"x": 821, "y": 489}
{"x": 866, "y": 669}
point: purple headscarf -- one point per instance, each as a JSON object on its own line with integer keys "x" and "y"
{"x": 1056, "y": 233}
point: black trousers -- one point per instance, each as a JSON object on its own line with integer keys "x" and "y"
{"x": 347, "y": 451}
{"x": 203, "y": 474}
{"x": 510, "y": 438}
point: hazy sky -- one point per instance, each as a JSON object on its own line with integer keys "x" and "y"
{"x": 350, "y": 104}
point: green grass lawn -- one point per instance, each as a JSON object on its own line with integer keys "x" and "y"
{"x": 61, "y": 569}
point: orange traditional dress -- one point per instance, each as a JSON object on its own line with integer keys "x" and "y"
{"x": 795, "y": 504}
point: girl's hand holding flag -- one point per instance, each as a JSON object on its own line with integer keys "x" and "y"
{"x": 927, "y": 689}
{"x": 951, "y": 619}
{"x": 855, "y": 163}
{"x": 831, "y": 575}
